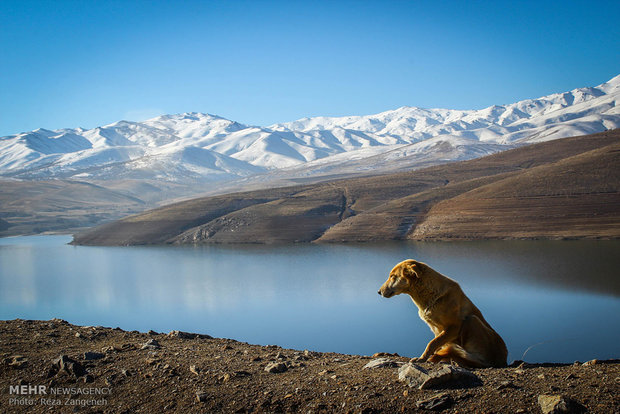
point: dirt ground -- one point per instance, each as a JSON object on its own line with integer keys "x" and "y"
{"x": 53, "y": 366}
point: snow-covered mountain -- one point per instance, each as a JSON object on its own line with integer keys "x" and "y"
{"x": 200, "y": 147}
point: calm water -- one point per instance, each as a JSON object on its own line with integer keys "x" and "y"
{"x": 561, "y": 297}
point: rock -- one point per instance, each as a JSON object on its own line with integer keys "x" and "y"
{"x": 201, "y": 396}
{"x": 447, "y": 376}
{"x": 276, "y": 367}
{"x": 115, "y": 348}
{"x": 16, "y": 361}
{"x": 310, "y": 354}
{"x": 436, "y": 403}
{"x": 187, "y": 335}
{"x": 382, "y": 363}
{"x": 506, "y": 384}
{"x": 384, "y": 354}
{"x": 87, "y": 379}
{"x": 152, "y": 360}
{"x": 413, "y": 375}
{"x": 67, "y": 365}
{"x": 91, "y": 356}
{"x": 556, "y": 404}
{"x": 591, "y": 362}
{"x": 62, "y": 321}
{"x": 151, "y": 344}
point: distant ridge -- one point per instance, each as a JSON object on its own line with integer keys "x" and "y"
{"x": 203, "y": 148}
{"x": 569, "y": 188}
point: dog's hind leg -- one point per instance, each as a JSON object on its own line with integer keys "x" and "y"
{"x": 454, "y": 353}
{"x": 481, "y": 341}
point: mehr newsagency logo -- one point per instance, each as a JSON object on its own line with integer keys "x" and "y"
{"x": 58, "y": 396}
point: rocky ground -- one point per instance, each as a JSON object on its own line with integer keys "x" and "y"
{"x": 113, "y": 371}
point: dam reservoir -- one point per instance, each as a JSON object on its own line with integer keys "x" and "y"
{"x": 551, "y": 301}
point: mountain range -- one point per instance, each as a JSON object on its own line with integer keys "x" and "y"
{"x": 203, "y": 148}
{"x": 76, "y": 178}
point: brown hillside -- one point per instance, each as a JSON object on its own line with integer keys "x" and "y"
{"x": 575, "y": 197}
{"x": 417, "y": 204}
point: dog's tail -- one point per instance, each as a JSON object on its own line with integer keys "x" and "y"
{"x": 454, "y": 353}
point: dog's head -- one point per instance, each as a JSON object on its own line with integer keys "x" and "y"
{"x": 401, "y": 278}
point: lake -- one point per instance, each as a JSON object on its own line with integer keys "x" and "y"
{"x": 557, "y": 300}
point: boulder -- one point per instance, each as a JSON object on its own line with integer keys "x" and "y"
{"x": 151, "y": 344}
{"x": 276, "y": 367}
{"x": 413, "y": 375}
{"x": 67, "y": 365}
{"x": 557, "y": 404}
{"x": 16, "y": 361}
{"x": 445, "y": 376}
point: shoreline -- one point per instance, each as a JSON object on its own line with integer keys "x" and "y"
{"x": 184, "y": 372}
{"x": 73, "y": 232}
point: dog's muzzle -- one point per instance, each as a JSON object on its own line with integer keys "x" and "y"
{"x": 387, "y": 293}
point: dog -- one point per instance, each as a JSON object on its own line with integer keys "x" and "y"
{"x": 462, "y": 335}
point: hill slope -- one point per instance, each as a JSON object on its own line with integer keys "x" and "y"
{"x": 423, "y": 204}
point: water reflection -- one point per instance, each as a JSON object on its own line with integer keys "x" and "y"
{"x": 321, "y": 297}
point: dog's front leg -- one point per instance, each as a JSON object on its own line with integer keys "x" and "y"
{"x": 448, "y": 335}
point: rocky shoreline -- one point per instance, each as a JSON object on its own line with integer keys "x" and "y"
{"x": 53, "y": 366}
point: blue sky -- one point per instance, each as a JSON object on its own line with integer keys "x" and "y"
{"x": 90, "y": 63}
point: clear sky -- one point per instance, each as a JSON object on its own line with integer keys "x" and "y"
{"x": 90, "y": 63}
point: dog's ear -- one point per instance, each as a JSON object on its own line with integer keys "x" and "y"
{"x": 411, "y": 269}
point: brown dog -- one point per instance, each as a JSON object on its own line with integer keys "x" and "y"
{"x": 461, "y": 333}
